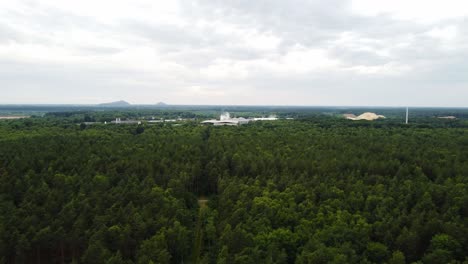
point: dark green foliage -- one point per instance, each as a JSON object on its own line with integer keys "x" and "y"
{"x": 139, "y": 130}
{"x": 315, "y": 190}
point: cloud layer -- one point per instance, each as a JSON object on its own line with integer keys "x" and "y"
{"x": 265, "y": 52}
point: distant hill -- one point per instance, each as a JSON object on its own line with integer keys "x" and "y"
{"x": 161, "y": 104}
{"x": 366, "y": 116}
{"x": 120, "y": 103}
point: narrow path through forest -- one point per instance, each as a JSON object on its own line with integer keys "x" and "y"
{"x": 198, "y": 242}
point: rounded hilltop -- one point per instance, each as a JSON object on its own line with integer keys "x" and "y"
{"x": 120, "y": 103}
{"x": 365, "y": 116}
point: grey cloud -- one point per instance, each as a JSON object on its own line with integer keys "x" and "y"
{"x": 435, "y": 66}
{"x": 188, "y": 44}
{"x": 297, "y": 21}
{"x": 315, "y": 24}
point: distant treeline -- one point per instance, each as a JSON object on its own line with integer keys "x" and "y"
{"x": 174, "y": 111}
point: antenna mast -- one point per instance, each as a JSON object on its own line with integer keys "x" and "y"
{"x": 407, "y": 114}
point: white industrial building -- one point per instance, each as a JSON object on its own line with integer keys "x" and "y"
{"x": 270, "y": 118}
{"x": 126, "y": 122}
{"x": 226, "y": 120}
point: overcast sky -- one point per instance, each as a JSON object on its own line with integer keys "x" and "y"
{"x": 245, "y": 52}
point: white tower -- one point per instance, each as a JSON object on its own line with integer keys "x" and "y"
{"x": 407, "y": 114}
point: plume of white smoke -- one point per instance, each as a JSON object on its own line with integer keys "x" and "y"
{"x": 225, "y": 116}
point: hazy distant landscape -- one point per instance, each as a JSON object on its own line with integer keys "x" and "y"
{"x": 393, "y": 112}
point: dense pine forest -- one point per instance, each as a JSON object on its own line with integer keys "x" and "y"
{"x": 316, "y": 189}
